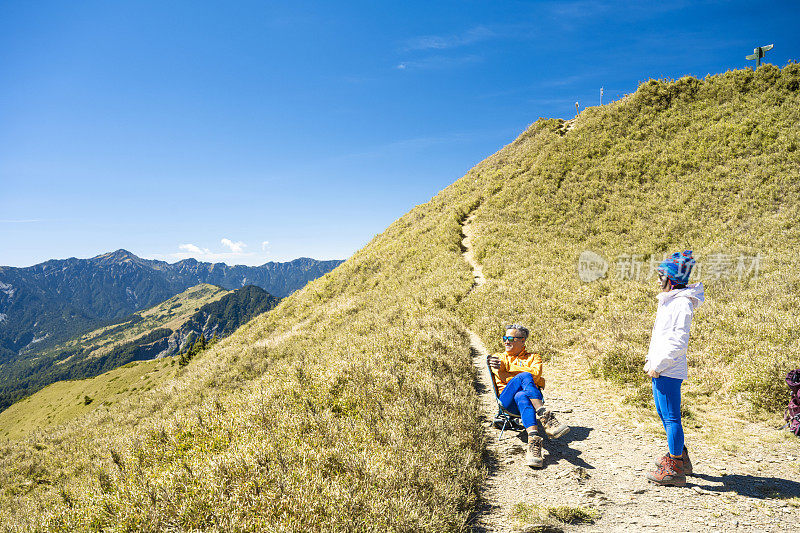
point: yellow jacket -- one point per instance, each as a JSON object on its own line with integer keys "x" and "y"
{"x": 511, "y": 365}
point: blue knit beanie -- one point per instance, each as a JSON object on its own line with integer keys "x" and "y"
{"x": 678, "y": 267}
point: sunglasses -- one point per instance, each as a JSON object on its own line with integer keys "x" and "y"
{"x": 511, "y": 339}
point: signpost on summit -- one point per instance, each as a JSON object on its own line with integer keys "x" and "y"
{"x": 758, "y": 53}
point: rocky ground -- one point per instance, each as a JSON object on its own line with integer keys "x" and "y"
{"x": 748, "y": 480}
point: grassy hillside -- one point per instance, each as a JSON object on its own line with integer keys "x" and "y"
{"x": 65, "y": 401}
{"x": 710, "y": 165}
{"x": 351, "y": 404}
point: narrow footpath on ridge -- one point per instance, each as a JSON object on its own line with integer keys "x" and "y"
{"x": 600, "y": 464}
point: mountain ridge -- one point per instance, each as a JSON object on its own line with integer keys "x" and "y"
{"x": 59, "y": 298}
{"x": 122, "y": 255}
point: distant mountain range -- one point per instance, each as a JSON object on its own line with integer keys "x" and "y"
{"x": 163, "y": 330}
{"x": 47, "y": 303}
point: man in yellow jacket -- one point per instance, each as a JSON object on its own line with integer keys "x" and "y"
{"x": 518, "y": 375}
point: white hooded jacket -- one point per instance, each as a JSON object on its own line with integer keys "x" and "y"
{"x": 670, "y": 339}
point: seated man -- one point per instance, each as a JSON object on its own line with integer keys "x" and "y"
{"x": 518, "y": 375}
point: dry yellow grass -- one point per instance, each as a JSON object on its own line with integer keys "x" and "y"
{"x": 64, "y": 401}
{"x": 350, "y": 405}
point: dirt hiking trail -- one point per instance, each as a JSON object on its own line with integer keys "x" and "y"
{"x": 600, "y": 464}
{"x": 469, "y": 254}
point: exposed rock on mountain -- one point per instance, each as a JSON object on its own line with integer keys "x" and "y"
{"x": 220, "y": 318}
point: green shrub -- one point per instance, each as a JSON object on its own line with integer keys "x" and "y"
{"x": 762, "y": 380}
{"x": 544, "y": 515}
{"x": 621, "y": 365}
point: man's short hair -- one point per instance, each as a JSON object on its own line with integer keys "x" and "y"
{"x": 521, "y": 329}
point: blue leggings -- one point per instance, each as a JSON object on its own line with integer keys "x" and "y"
{"x": 517, "y": 395}
{"x": 667, "y": 394}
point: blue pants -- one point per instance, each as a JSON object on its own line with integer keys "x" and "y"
{"x": 667, "y": 394}
{"x": 517, "y": 395}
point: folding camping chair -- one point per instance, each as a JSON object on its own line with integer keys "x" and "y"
{"x": 503, "y": 416}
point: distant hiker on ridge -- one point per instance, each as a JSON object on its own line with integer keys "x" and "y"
{"x": 518, "y": 374}
{"x": 666, "y": 361}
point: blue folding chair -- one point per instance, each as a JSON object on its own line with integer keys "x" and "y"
{"x": 503, "y": 417}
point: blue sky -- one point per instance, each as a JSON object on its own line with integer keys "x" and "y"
{"x": 247, "y": 131}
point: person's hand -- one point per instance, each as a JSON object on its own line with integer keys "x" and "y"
{"x": 493, "y": 361}
{"x": 652, "y": 373}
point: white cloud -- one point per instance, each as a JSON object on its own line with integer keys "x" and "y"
{"x": 439, "y": 62}
{"x": 441, "y": 42}
{"x": 235, "y": 247}
{"x": 232, "y": 253}
{"x": 193, "y": 249}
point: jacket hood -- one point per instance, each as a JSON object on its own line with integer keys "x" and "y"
{"x": 694, "y": 292}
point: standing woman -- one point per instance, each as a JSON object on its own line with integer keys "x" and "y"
{"x": 667, "y": 364}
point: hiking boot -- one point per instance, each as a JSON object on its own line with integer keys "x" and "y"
{"x": 552, "y": 427}
{"x": 533, "y": 456}
{"x": 669, "y": 473}
{"x": 687, "y": 463}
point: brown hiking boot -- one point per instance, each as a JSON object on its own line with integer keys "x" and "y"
{"x": 669, "y": 473}
{"x": 687, "y": 463}
{"x": 553, "y": 427}
{"x": 533, "y": 455}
